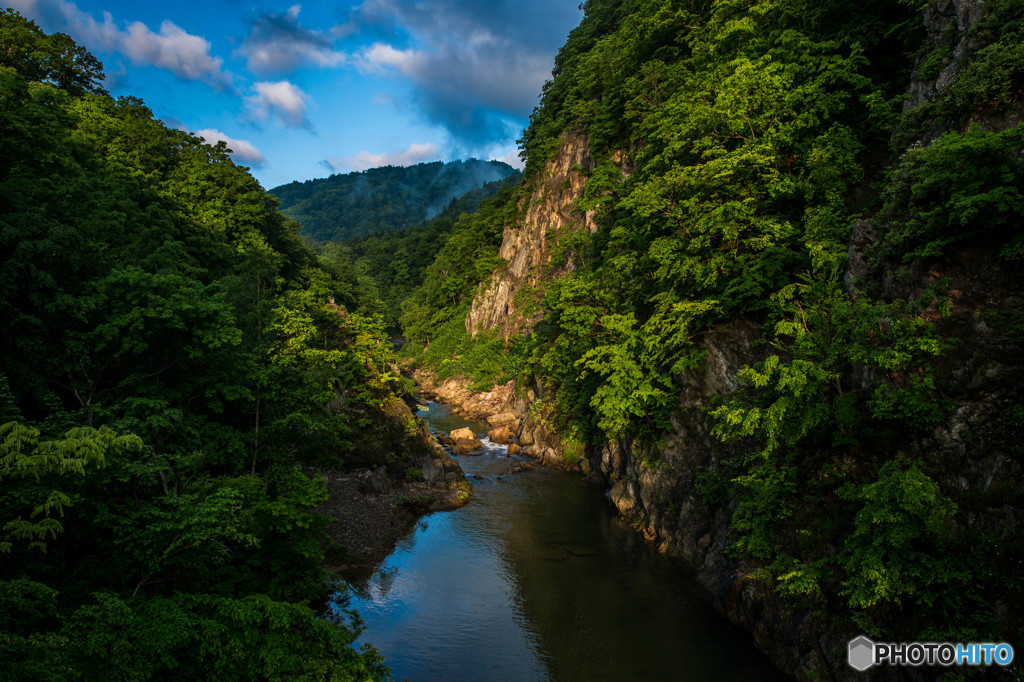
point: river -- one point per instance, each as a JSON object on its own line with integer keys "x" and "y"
{"x": 537, "y": 579}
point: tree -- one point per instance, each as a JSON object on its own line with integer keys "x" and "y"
{"x": 54, "y": 58}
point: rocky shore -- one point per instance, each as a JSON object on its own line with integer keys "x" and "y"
{"x": 516, "y": 419}
{"x": 370, "y": 510}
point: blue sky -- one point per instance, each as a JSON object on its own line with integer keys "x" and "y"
{"x": 303, "y": 91}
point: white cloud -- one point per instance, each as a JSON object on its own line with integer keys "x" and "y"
{"x": 379, "y": 56}
{"x": 279, "y": 99}
{"x": 511, "y": 157}
{"x": 490, "y": 72}
{"x": 241, "y": 150}
{"x": 416, "y": 153}
{"x": 277, "y": 44}
{"x": 183, "y": 54}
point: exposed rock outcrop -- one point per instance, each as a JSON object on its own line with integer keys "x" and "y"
{"x": 523, "y": 422}
{"x": 508, "y": 300}
{"x": 457, "y": 392}
{"x": 952, "y": 41}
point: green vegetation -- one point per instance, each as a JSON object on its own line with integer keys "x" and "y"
{"x": 747, "y": 127}
{"x": 486, "y": 359}
{"x": 152, "y": 449}
{"x": 964, "y": 187}
{"x": 342, "y": 208}
{"x": 169, "y": 366}
{"x": 392, "y": 265}
{"x": 433, "y": 314}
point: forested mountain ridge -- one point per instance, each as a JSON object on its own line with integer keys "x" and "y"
{"x": 171, "y": 372}
{"x": 341, "y": 208}
{"x": 766, "y": 259}
{"x": 394, "y": 263}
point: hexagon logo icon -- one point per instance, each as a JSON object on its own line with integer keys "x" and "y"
{"x": 861, "y": 653}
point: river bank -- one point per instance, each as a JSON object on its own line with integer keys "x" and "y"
{"x": 371, "y": 512}
{"x": 372, "y": 509}
{"x": 513, "y": 416}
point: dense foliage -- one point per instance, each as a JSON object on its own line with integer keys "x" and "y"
{"x": 736, "y": 146}
{"x": 341, "y": 208}
{"x": 168, "y": 365}
{"x": 394, "y": 264}
{"x": 749, "y": 128}
{"x": 433, "y": 314}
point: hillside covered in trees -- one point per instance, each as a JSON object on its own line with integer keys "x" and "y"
{"x": 393, "y": 264}
{"x": 341, "y": 208}
{"x": 170, "y": 371}
{"x": 763, "y": 274}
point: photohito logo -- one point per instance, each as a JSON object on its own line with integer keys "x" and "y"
{"x": 863, "y": 653}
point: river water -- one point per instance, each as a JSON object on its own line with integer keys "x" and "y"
{"x": 536, "y": 579}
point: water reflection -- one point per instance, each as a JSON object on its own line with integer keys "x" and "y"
{"x": 536, "y": 579}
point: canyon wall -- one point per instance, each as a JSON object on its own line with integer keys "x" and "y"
{"x": 508, "y": 302}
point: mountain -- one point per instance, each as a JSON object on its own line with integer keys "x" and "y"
{"x": 340, "y": 208}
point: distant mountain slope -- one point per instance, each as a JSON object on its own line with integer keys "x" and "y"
{"x": 344, "y": 207}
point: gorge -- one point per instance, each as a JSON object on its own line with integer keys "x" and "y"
{"x": 758, "y": 285}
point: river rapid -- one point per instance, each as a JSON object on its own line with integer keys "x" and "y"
{"x": 537, "y": 579}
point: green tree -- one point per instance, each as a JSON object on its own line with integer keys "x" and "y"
{"x": 53, "y": 58}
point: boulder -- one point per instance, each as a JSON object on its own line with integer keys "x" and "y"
{"x": 502, "y": 419}
{"x": 374, "y": 482}
{"x": 462, "y": 433}
{"x": 468, "y": 444}
{"x": 513, "y": 449}
{"x": 624, "y": 495}
{"x": 499, "y": 435}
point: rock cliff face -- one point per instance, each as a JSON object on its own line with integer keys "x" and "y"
{"x": 527, "y": 246}
{"x": 950, "y": 45}
{"x": 948, "y": 24}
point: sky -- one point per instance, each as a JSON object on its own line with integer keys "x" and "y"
{"x": 304, "y": 91}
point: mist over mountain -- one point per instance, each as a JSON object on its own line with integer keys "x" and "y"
{"x": 344, "y": 207}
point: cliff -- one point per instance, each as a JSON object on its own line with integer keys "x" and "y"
{"x": 508, "y": 301}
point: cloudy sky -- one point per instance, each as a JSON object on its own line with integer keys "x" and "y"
{"x": 303, "y": 91}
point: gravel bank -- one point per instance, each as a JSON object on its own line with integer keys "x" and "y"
{"x": 370, "y": 513}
